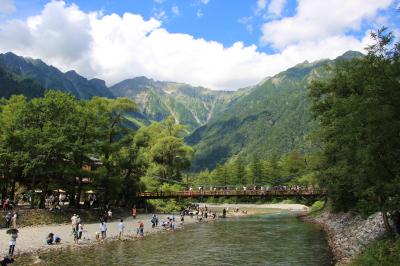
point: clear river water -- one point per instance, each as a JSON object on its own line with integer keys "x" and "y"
{"x": 268, "y": 239}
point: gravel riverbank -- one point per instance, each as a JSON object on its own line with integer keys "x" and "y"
{"x": 31, "y": 239}
{"x": 348, "y": 234}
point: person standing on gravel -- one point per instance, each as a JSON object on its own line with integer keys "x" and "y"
{"x": 74, "y": 220}
{"x": 103, "y": 230}
{"x": 14, "y": 220}
{"x": 13, "y": 241}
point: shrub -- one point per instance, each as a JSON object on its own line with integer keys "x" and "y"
{"x": 318, "y": 205}
{"x": 382, "y": 252}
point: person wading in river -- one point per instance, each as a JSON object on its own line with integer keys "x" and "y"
{"x": 140, "y": 230}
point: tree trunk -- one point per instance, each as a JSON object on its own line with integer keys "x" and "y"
{"x": 42, "y": 203}
{"x": 78, "y": 193}
{"x": 32, "y": 203}
{"x": 12, "y": 192}
{"x": 386, "y": 224}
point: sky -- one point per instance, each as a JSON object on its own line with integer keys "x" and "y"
{"x": 218, "y": 44}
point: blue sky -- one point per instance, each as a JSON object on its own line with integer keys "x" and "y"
{"x": 221, "y": 44}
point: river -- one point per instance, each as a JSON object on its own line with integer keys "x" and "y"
{"x": 268, "y": 239}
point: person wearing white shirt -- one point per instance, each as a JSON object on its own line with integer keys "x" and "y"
{"x": 74, "y": 220}
{"x": 103, "y": 230}
{"x": 121, "y": 228}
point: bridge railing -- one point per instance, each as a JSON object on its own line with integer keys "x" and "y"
{"x": 221, "y": 193}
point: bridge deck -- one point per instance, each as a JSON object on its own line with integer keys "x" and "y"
{"x": 231, "y": 193}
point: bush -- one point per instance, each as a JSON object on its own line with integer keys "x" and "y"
{"x": 382, "y": 252}
{"x": 167, "y": 205}
{"x": 288, "y": 201}
{"x": 318, "y": 205}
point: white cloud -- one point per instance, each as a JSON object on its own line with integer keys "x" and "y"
{"x": 160, "y": 14}
{"x": 6, "y": 7}
{"x": 175, "y": 10}
{"x": 199, "y": 13}
{"x": 261, "y": 5}
{"x": 114, "y": 48}
{"x": 159, "y": 1}
{"x": 247, "y": 22}
{"x": 205, "y": 2}
{"x": 315, "y": 20}
{"x": 275, "y": 7}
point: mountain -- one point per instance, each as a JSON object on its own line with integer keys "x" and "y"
{"x": 50, "y": 77}
{"x": 11, "y": 83}
{"x": 272, "y": 116}
{"x": 192, "y": 106}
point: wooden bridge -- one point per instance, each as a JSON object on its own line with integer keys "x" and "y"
{"x": 233, "y": 193}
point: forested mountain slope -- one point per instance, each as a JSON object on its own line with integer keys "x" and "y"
{"x": 11, "y": 83}
{"x": 273, "y": 116}
{"x": 50, "y": 77}
{"x": 192, "y": 106}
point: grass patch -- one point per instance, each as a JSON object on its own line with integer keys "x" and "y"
{"x": 381, "y": 252}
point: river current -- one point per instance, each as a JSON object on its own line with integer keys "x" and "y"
{"x": 269, "y": 239}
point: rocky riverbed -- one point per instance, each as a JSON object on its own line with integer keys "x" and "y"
{"x": 347, "y": 233}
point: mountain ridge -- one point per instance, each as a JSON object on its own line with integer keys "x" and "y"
{"x": 51, "y": 77}
{"x": 256, "y": 120}
{"x": 271, "y": 117}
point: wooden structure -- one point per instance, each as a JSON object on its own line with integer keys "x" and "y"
{"x": 232, "y": 193}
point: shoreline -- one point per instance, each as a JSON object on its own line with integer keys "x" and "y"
{"x": 31, "y": 240}
{"x": 29, "y": 245}
{"x": 347, "y": 234}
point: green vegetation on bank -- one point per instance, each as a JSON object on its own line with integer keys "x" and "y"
{"x": 383, "y": 252}
{"x": 358, "y": 111}
{"x": 292, "y": 169}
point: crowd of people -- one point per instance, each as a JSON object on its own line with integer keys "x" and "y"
{"x": 199, "y": 212}
{"x": 255, "y": 188}
{"x": 77, "y": 227}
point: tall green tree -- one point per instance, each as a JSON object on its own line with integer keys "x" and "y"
{"x": 358, "y": 111}
{"x": 13, "y": 155}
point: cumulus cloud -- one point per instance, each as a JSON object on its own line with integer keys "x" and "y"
{"x": 6, "y": 7}
{"x": 160, "y": 14}
{"x": 261, "y": 4}
{"x": 275, "y": 7}
{"x": 317, "y": 19}
{"x": 114, "y": 47}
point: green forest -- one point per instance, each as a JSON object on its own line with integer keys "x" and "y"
{"x": 58, "y": 142}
